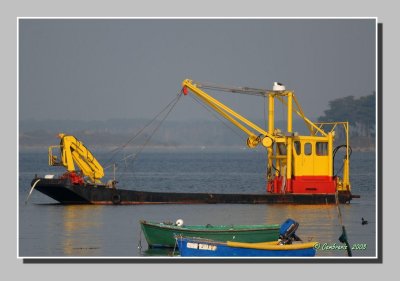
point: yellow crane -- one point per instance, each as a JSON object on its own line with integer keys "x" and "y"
{"x": 298, "y": 164}
{"x": 73, "y": 152}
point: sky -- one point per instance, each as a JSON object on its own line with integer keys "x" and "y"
{"x": 100, "y": 69}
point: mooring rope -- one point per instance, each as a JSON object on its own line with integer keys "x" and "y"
{"x": 175, "y": 246}
{"x": 343, "y": 237}
{"x": 30, "y": 192}
{"x": 140, "y": 240}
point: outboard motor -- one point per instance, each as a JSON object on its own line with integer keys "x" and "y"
{"x": 287, "y": 232}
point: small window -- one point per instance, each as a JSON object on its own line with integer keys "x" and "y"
{"x": 321, "y": 148}
{"x": 297, "y": 147}
{"x": 282, "y": 148}
{"x": 308, "y": 149}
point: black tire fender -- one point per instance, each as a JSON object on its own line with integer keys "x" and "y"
{"x": 116, "y": 199}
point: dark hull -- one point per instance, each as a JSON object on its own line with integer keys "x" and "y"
{"x": 67, "y": 193}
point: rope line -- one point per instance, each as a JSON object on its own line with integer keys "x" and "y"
{"x": 133, "y": 156}
{"x": 120, "y": 148}
{"x": 30, "y": 192}
{"x": 241, "y": 90}
{"x": 153, "y": 132}
{"x": 343, "y": 237}
{"x": 215, "y": 115}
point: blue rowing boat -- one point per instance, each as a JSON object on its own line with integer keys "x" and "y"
{"x": 200, "y": 247}
{"x": 288, "y": 245}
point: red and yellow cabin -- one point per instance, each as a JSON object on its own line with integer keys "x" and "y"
{"x": 311, "y": 167}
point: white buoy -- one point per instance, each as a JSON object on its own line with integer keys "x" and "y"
{"x": 179, "y": 222}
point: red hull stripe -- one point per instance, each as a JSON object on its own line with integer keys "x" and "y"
{"x": 304, "y": 184}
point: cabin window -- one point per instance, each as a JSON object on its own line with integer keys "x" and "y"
{"x": 297, "y": 147}
{"x": 321, "y": 148}
{"x": 307, "y": 148}
{"x": 282, "y": 148}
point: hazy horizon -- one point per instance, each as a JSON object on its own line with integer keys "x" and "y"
{"x": 101, "y": 69}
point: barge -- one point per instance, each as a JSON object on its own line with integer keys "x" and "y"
{"x": 300, "y": 168}
{"x": 65, "y": 192}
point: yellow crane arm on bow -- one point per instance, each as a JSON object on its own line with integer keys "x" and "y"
{"x": 73, "y": 152}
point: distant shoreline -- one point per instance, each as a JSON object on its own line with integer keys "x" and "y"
{"x": 180, "y": 148}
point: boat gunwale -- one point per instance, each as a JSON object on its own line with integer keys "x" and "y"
{"x": 262, "y": 246}
{"x": 271, "y": 246}
{"x": 213, "y": 228}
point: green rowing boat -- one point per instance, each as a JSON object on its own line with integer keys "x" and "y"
{"x": 162, "y": 234}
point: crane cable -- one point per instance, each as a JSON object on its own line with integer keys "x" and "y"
{"x": 334, "y": 154}
{"x": 154, "y": 131}
{"x": 197, "y": 100}
{"x": 168, "y": 108}
{"x": 240, "y": 90}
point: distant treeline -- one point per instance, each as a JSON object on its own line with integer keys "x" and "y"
{"x": 360, "y": 113}
{"x": 119, "y": 132}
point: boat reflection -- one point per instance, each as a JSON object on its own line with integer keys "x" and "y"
{"x": 81, "y": 223}
{"x": 160, "y": 252}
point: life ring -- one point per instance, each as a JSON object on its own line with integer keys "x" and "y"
{"x": 116, "y": 199}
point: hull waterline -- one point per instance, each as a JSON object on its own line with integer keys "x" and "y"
{"x": 66, "y": 193}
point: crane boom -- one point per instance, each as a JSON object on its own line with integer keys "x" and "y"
{"x": 238, "y": 120}
{"x": 74, "y": 152}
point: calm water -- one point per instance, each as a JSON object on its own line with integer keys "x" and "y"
{"x": 47, "y": 229}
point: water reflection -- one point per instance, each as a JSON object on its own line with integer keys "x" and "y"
{"x": 160, "y": 252}
{"x": 48, "y": 230}
{"x": 81, "y": 223}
